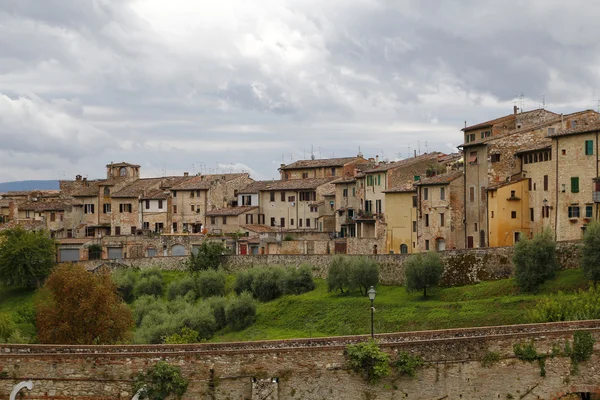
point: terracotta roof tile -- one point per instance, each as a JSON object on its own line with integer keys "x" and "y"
{"x": 297, "y": 184}
{"x": 502, "y": 184}
{"x": 254, "y": 187}
{"x": 90, "y": 190}
{"x": 440, "y": 179}
{"x": 55, "y": 205}
{"x": 230, "y": 211}
{"x": 258, "y": 228}
{"x": 408, "y": 188}
{"x": 323, "y": 162}
{"x": 137, "y": 188}
{"x": 404, "y": 163}
{"x": 589, "y": 126}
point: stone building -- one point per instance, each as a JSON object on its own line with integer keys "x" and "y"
{"x": 441, "y": 212}
{"x": 321, "y": 168}
{"x": 401, "y": 217}
{"x": 231, "y": 219}
{"x": 509, "y": 212}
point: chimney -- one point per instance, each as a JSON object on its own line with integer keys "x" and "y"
{"x": 515, "y": 109}
{"x": 78, "y": 178}
{"x": 371, "y": 159}
{"x": 186, "y": 174}
{"x": 281, "y": 165}
{"x": 415, "y": 153}
{"x": 377, "y": 159}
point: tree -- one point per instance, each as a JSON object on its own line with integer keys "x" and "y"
{"x": 209, "y": 256}
{"x": 26, "y": 257}
{"x": 423, "y": 271}
{"x": 338, "y": 274}
{"x": 364, "y": 273}
{"x": 77, "y": 307}
{"x": 535, "y": 261}
{"x": 590, "y": 254}
{"x": 160, "y": 381}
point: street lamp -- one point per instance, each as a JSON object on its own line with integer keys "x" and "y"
{"x": 372, "y": 294}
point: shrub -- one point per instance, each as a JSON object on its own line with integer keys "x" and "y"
{"x": 423, "y": 271}
{"x": 297, "y": 280}
{"x": 7, "y": 327}
{"x": 407, "y": 363}
{"x": 183, "y": 287}
{"x": 368, "y": 358}
{"x": 211, "y": 283}
{"x": 145, "y": 305}
{"x": 490, "y": 358}
{"x": 364, "y": 273}
{"x": 583, "y": 346}
{"x": 149, "y": 285}
{"x": 535, "y": 261}
{"x": 125, "y": 280}
{"x": 585, "y": 305}
{"x": 218, "y": 306}
{"x": 338, "y": 274}
{"x": 266, "y": 284}
{"x": 186, "y": 336}
{"x": 590, "y": 254}
{"x": 25, "y": 314}
{"x": 209, "y": 256}
{"x": 241, "y": 312}
{"x": 161, "y": 381}
{"x": 243, "y": 282}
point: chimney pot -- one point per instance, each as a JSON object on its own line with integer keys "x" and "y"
{"x": 186, "y": 174}
{"x": 377, "y": 159}
{"x": 515, "y": 109}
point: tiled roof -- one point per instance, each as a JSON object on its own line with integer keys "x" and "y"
{"x": 344, "y": 181}
{"x": 254, "y": 187}
{"x": 296, "y": 184}
{"x": 404, "y": 163}
{"x": 155, "y": 194}
{"x": 137, "y": 188}
{"x": 55, "y": 205}
{"x": 122, "y": 164}
{"x": 408, "y": 188}
{"x": 258, "y": 228}
{"x": 590, "y": 126}
{"x": 203, "y": 182}
{"x": 502, "y": 184}
{"x": 491, "y": 122}
{"x": 542, "y": 144}
{"x": 230, "y": 211}
{"x": 25, "y": 224}
{"x": 90, "y": 190}
{"x": 440, "y": 179}
{"x": 324, "y": 162}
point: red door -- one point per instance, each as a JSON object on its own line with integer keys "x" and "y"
{"x": 243, "y": 249}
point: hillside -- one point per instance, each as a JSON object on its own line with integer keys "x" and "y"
{"x": 29, "y": 185}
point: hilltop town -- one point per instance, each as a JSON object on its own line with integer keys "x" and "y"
{"x": 512, "y": 176}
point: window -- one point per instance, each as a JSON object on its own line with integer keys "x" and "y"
{"x": 52, "y": 217}
{"x": 551, "y": 131}
{"x": 246, "y": 200}
{"x": 133, "y": 229}
{"x": 414, "y": 199}
{"x": 575, "y": 184}
{"x": 272, "y": 196}
{"x": 427, "y": 245}
{"x": 314, "y": 209}
{"x": 224, "y": 220}
{"x": 175, "y": 209}
{"x": 368, "y": 206}
{"x": 261, "y": 219}
{"x": 442, "y": 219}
{"x": 528, "y": 187}
{"x": 588, "y": 211}
{"x": 378, "y": 206}
{"x": 417, "y": 178}
{"x": 308, "y": 222}
{"x": 546, "y": 212}
{"x": 513, "y": 193}
{"x": 442, "y": 193}
{"x": 345, "y": 193}
{"x": 117, "y": 230}
{"x": 291, "y": 221}
{"x": 299, "y": 222}
{"x": 378, "y": 180}
{"x": 282, "y": 196}
{"x": 414, "y": 224}
{"x": 291, "y": 199}
{"x": 213, "y": 220}
{"x": 192, "y": 194}
{"x": 88, "y": 208}
{"x": 147, "y": 204}
{"x": 589, "y": 147}
{"x": 125, "y": 207}
{"x": 308, "y": 196}
{"x": 106, "y": 191}
{"x": 545, "y": 183}
{"x": 174, "y": 226}
{"x": 534, "y": 186}
{"x": 472, "y": 194}
{"x": 69, "y": 233}
{"x": 513, "y": 214}
{"x": 492, "y": 214}
{"x": 426, "y": 219}
{"x": 531, "y": 214}
{"x": 353, "y": 192}
{"x": 573, "y": 211}
{"x": 123, "y": 171}
{"x": 333, "y": 171}
{"x": 304, "y": 175}
{"x": 249, "y": 219}
{"x": 473, "y": 157}
{"x": 272, "y": 221}
{"x": 564, "y": 152}
{"x": 369, "y": 180}
{"x": 282, "y": 222}
{"x": 89, "y": 232}
{"x": 174, "y": 193}
{"x": 485, "y": 134}
{"x": 495, "y": 158}
{"x": 106, "y": 208}
{"x": 403, "y": 249}
{"x": 425, "y": 193}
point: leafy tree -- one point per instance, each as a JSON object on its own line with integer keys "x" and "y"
{"x": 161, "y": 381}
{"x": 266, "y": 283}
{"x": 241, "y": 312}
{"x": 339, "y": 274}
{"x": 77, "y": 307}
{"x": 183, "y": 287}
{"x": 297, "y": 280}
{"x": 7, "y": 327}
{"x": 590, "y": 255}
{"x": 535, "y": 261}
{"x": 186, "y": 336}
{"x": 423, "y": 271}
{"x": 125, "y": 280}
{"x": 364, "y": 273}
{"x": 368, "y": 358}
{"x": 211, "y": 283}
{"x": 243, "y": 282}
{"x": 26, "y": 257}
{"x": 209, "y": 256}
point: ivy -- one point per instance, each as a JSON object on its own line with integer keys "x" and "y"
{"x": 368, "y": 358}
{"x": 407, "y": 363}
{"x": 527, "y": 352}
{"x": 490, "y": 358}
{"x": 583, "y": 347}
{"x": 160, "y": 381}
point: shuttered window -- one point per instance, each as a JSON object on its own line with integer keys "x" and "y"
{"x": 589, "y": 147}
{"x": 575, "y": 184}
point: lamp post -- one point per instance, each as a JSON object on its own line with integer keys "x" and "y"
{"x": 372, "y": 294}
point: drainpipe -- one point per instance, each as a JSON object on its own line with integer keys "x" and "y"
{"x": 594, "y": 188}
{"x": 556, "y": 199}
{"x": 18, "y": 387}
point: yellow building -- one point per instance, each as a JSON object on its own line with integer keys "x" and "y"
{"x": 401, "y": 219}
{"x": 509, "y": 214}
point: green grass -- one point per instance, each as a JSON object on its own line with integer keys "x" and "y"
{"x": 321, "y": 313}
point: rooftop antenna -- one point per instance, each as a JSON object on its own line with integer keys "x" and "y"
{"x": 319, "y": 150}
{"x": 360, "y": 154}
{"x": 522, "y": 101}
{"x": 408, "y": 151}
{"x": 426, "y": 146}
{"x": 598, "y": 106}
{"x": 312, "y": 152}
{"x": 419, "y": 147}
{"x": 543, "y": 102}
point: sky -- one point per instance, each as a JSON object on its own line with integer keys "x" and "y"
{"x": 235, "y": 85}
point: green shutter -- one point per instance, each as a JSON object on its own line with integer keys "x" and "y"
{"x": 575, "y": 184}
{"x": 378, "y": 180}
{"x": 589, "y": 147}
{"x": 589, "y": 211}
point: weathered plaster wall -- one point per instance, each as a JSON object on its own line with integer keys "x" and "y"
{"x": 313, "y": 368}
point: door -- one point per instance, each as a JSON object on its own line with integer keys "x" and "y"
{"x": 469, "y": 242}
{"x": 340, "y": 247}
{"x": 243, "y": 249}
{"x": 115, "y": 253}
{"x": 441, "y": 245}
{"x": 68, "y": 255}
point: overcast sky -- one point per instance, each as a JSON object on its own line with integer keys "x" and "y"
{"x": 197, "y": 86}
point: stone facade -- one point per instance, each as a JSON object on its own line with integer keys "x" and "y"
{"x": 313, "y": 368}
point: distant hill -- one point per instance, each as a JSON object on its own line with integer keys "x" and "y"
{"x": 29, "y": 185}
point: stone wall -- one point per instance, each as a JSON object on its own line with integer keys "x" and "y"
{"x": 313, "y": 368}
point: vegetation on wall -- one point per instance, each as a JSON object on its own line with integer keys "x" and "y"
{"x": 369, "y": 359}
{"x": 161, "y": 381}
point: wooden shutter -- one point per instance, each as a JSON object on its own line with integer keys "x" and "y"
{"x": 575, "y": 184}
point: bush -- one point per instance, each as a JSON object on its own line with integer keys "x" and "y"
{"x": 209, "y": 256}
{"x": 407, "y": 363}
{"x": 211, "y": 283}
{"x": 218, "y": 306}
{"x": 423, "y": 271}
{"x": 125, "y": 280}
{"x": 368, "y": 358}
{"x": 186, "y": 336}
{"x": 585, "y": 305}
{"x": 7, "y": 327}
{"x": 535, "y": 261}
{"x": 364, "y": 273}
{"x": 339, "y": 274}
{"x": 583, "y": 346}
{"x": 266, "y": 283}
{"x": 243, "y": 282}
{"x": 144, "y": 305}
{"x": 186, "y": 286}
{"x": 161, "y": 381}
{"x": 297, "y": 280}
{"x": 149, "y": 285}
{"x": 590, "y": 254}
{"x": 241, "y": 312}
{"x": 25, "y": 314}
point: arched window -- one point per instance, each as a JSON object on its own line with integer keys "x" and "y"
{"x": 403, "y": 249}
{"x": 123, "y": 171}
